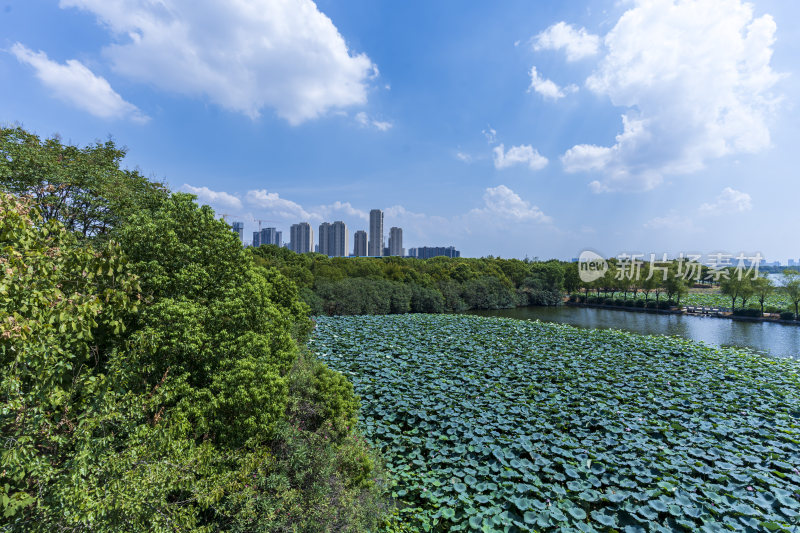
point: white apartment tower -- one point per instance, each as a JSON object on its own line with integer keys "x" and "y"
{"x": 360, "y": 243}
{"x": 324, "y": 238}
{"x": 333, "y": 240}
{"x": 375, "y": 248}
{"x": 396, "y": 241}
{"x": 302, "y": 238}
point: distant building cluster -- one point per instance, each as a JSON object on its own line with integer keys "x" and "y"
{"x": 267, "y": 236}
{"x": 427, "y": 252}
{"x": 333, "y": 240}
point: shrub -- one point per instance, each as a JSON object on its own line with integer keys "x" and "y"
{"x": 426, "y": 300}
{"x": 749, "y": 312}
{"x": 652, "y": 304}
{"x": 609, "y": 301}
{"x": 787, "y": 315}
{"x": 664, "y": 304}
{"x": 487, "y": 292}
{"x": 640, "y": 303}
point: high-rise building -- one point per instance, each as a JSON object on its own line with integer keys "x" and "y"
{"x": 360, "y": 243}
{"x": 238, "y": 228}
{"x": 333, "y": 239}
{"x": 267, "y": 236}
{"x": 427, "y": 252}
{"x": 339, "y": 243}
{"x": 302, "y": 238}
{"x": 375, "y": 247}
{"x": 396, "y": 241}
{"x": 324, "y": 238}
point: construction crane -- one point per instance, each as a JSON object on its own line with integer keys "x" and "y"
{"x": 260, "y": 220}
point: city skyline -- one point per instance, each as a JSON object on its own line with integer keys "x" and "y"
{"x": 515, "y": 129}
{"x": 333, "y": 239}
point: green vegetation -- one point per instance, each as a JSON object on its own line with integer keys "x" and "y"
{"x": 505, "y": 425}
{"x": 152, "y": 375}
{"x": 379, "y": 286}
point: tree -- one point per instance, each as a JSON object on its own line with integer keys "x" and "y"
{"x": 572, "y": 280}
{"x": 791, "y": 286}
{"x": 762, "y": 288}
{"x": 83, "y": 188}
{"x": 746, "y": 290}
{"x": 675, "y": 286}
{"x": 731, "y": 286}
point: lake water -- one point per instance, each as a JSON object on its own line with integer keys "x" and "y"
{"x": 777, "y": 340}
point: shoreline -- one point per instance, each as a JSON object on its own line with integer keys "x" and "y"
{"x": 682, "y": 311}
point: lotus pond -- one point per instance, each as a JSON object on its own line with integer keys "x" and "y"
{"x": 494, "y": 424}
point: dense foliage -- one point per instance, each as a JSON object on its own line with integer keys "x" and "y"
{"x": 505, "y": 425}
{"x": 378, "y": 286}
{"x": 82, "y": 187}
{"x": 152, "y": 378}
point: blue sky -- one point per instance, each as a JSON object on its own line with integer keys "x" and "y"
{"x": 513, "y": 129}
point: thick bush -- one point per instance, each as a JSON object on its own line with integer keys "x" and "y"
{"x": 748, "y": 312}
{"x": 652, "y": 304}
{"x": 787, "y": 315}
{"x": 487, "y": 292}
{"x": 609, "y": 301}
{"x": 150, "y": 382}
{"x": 640, "y": 303}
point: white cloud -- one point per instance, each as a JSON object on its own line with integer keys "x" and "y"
{"x": 548, "y": 88}
{"x": 213, "y": 198}
{"x": 502, "y": 203}
{"x": 77, "y": 85}
{"x": 364, "y": 119}
{"x": 578, "y": 44}
{"x": 243, "y": 56}
{"x": 490, "y": 134}
{"x": 696, "y": 77}
{"x": 276, "y": 206}
{"x": 518, "y": 155}
{"x": 729, "y": 201}
{"x": 340, "y": 207}
{"x": 673, "y": 221}
{"x": 466, "y": 158}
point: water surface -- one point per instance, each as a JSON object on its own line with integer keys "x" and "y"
{"x": 777, "y": 340}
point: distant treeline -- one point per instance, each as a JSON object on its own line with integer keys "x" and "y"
{"x": 369, "y": 285}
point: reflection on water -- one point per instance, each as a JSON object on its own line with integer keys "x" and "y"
{"x": 773, "y": 339}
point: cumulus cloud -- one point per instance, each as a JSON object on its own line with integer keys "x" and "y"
{"x": 502, "y": 203}
{"x": 366, "y": 121}
{"x": 548, "y": 88}
{"x": 729, "y": 201}
{"x": 75, "y": 84}
{"x": 341, "y": 207}
{"x": 243, "y": 56}
{"x": 276, "y": 206}
{"x": 577, "y": 44}
{"x": 466, "y": 158}
{"x": 491, "y": 134}
{"x": 518, "y": 155}
{"x": 673, "y": 222}
{"x": 696, "y": 78}
{"x": 213, "y": 198}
